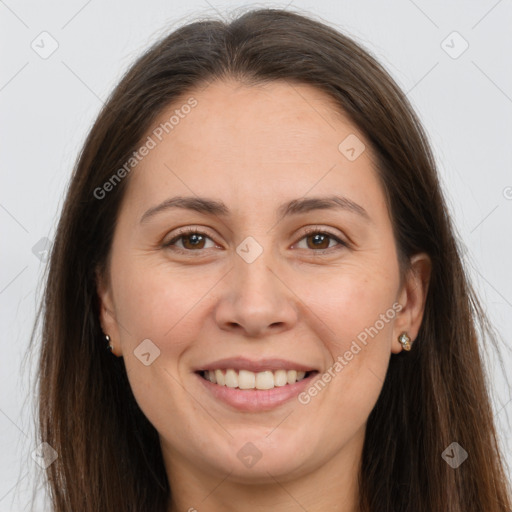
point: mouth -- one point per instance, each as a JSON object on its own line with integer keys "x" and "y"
{"x": 246, "y": 391}
{"x": 248, "y": 380}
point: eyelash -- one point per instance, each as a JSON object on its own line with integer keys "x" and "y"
{"x": 309, "y": 231}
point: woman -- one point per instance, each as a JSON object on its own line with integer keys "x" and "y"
{"x": 255, "y": 294}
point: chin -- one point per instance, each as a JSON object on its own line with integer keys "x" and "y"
{"x": 259, "y": 459}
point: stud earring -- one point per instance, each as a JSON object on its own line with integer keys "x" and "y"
{"x": 405, "y": 341}
{"x": 109, "y": 344}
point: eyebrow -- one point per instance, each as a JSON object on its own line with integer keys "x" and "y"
{"x": 209, "y": 206}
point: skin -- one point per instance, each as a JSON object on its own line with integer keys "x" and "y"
{"x": 254, "y": 148}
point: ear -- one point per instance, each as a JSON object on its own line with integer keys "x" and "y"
{"x": 107, "y": 311}
{"x": 412, "y": 297}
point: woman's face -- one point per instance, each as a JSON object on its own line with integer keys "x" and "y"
{"x": 294, "y": 269}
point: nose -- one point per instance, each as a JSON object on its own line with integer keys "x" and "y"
{"x": 256, "y": 300}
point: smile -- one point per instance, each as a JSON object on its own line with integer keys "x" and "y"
{"x": 246, "y": 391}
{"x": 245, "y": 379}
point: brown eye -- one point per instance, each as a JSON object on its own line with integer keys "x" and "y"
{"x": 320, "y": 240}
{"x": 194, "y": 241}
{"x": 190, "y": 240}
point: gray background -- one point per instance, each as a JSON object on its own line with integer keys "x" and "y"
{"x": 464, "y": 99}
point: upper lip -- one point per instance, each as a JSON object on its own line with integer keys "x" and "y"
{"x": 242, "y": 363}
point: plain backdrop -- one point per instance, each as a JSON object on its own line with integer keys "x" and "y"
{"x": 60, "y": 60}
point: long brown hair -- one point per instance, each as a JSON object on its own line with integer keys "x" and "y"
{"x": 109, "y": 453}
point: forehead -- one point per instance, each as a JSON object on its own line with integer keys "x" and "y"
{"x": 276, "y": 140}
{"x": 270, "y": 121}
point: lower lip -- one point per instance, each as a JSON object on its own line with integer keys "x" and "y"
{"x": 256, "y": 400}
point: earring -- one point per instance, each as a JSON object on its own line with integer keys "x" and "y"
{"x": 405, "y": 341}
{"x": 109, "y": 346}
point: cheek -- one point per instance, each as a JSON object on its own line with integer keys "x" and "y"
{"x": 158, "y": 303}
{"x": 356, "y": 304}
{"x": 155, "y": 303}
{"x": 351, "y": 300}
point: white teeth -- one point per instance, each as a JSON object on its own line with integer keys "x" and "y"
{"x": 245, "y": 379}
{"x": 231, "y": 379}
{"x": 280, "y": 378}
{"x": 219, "y": 376}
{"x": 291, "y": 376}
{"x": 264, "y": 380}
